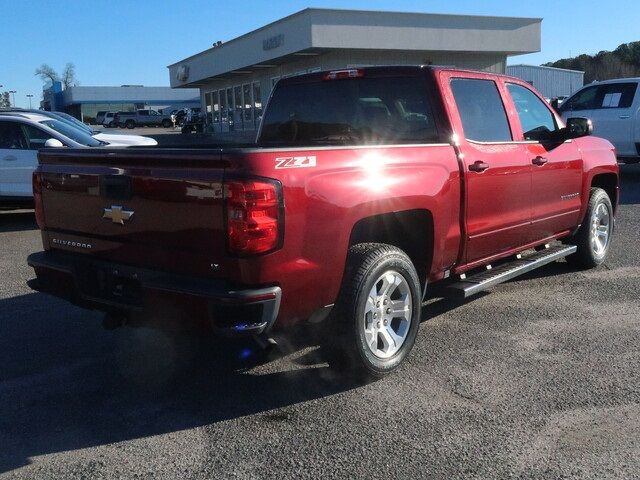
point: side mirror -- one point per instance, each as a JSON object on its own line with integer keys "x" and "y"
{"x": 579, "y": 127}
{"x": 53, "y": 143}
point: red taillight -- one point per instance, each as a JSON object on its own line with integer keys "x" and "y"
{"x": 36, "y": 181}
{"x": 343, "y": 74}
{"x": 254, "y": 223}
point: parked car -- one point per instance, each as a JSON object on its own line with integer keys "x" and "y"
{"x": 22, "y": 134}
{"x": 118, "y": 138}
{"x": 614, "y": 109}
{"x": 142, "y": 118}
{"x": 365, "y": 187}
{"x": 115, "y": 138}
{"x": 109, "y": 120}
{"x": 100, "y": 117}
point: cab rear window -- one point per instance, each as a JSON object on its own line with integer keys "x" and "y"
{"x": 358, "y": 111}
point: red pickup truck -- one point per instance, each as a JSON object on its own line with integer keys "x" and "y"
{"x": 364, "y": 187}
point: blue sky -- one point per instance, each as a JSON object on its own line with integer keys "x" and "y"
{"x": 115, "y": 42}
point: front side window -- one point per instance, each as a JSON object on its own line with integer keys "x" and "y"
{"x": 11, "y": 136}
{"x": 482, "y": 112}
{"x": 583, "y": 100}
{"x": 350, "y": 112}
{"x": 536, "y": 119}
{"x": 36, "y": 137}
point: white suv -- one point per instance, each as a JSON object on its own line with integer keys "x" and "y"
{"x": 614, "y": 108}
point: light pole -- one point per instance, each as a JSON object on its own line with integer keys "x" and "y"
{"x": 29, "y": 96}
{"x": 13, "y": 93}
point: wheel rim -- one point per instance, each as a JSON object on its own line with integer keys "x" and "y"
{"x": 600, "y": 229}
{"x": 387, "y": 315}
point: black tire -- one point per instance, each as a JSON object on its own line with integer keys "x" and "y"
{"x": 586, "y": 256}
{"x": 130, "y": 124}
{"x": 344, "y": 345}
{"x": 166, "y": 123}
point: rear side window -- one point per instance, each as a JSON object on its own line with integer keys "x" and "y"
{"x": 390, "y": 110}
{"x": 484, "y": 118}
{"x": 616, "y": 95}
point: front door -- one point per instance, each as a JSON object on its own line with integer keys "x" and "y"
{"x": 17, "y": 161}
{"x": 497, "y": 176}
{"x": 556, "y": 167}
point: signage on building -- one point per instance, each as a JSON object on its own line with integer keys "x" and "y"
{"x": 183, "y": 73}
{"x": 273, "y": 42}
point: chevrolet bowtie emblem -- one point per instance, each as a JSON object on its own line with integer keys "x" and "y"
{"x": 117, "y": 215}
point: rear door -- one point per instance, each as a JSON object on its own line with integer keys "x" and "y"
{"x": 556, "y": 167}
{"x": 613, "y": 115}
{"x": 497, "y": 175}
{"x": 17, "y": 160}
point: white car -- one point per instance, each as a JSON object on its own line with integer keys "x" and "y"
{"x": 614, "y": 109}
{"x": 111, "y": 138}
{"x": 21, "y": 136}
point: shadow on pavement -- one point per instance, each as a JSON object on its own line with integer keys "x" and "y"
{"x": 67, "y": 384}
{"x": 17, "y": 221}
{"x": 630, "y": 184}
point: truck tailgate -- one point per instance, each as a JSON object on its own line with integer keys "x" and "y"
{"x": 144, "y": 208}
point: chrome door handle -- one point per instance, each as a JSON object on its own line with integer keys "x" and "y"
{"x": 624, "y": 117}
{"x": 539, "y": 161}
{"x": 478, "y": 166}
{"x": 10, "y": 158}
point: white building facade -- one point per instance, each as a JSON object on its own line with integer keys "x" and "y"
{"x": 235, "y": 78}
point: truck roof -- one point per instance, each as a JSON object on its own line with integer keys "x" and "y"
{"x": 388, "y": 70}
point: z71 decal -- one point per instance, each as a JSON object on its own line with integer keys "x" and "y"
{"x": 295, "y": 162}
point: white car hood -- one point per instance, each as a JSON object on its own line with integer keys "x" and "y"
{"x": 116, "y": 139}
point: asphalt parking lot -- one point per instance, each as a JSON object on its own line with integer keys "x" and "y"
{"x": 540, "y": 378}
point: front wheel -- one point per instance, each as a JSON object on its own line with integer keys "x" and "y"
{"x": 376, "y": 319}
{"x": 593, "y": 238}
{"x": 130, "y": 124}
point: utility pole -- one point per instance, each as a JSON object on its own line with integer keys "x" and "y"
{"x": 13, "y": 94}
{"x": 29, "y": 96}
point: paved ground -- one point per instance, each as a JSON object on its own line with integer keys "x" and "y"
{"x": 538, "y": 379}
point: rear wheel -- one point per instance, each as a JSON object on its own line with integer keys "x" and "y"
{"x": 130, "y": 124}
{"x": 166, "y": 123}
{"x": 593, "y": 238}
{"x": 376, "y": 319}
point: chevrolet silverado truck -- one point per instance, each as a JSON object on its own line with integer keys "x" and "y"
{"x": 364, "y": 187}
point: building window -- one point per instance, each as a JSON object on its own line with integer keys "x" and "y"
{"x": 257, "y": 104}
{"x": 248, "y": 106}
{"x": 237, "y": 112}
{"x": 230, "y": 108}
{"x": 215, "y": 101}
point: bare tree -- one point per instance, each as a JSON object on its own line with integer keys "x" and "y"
{"x": 69, "y": 75}
{"x": 47, "y": 73}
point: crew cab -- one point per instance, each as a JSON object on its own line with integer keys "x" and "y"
{"x": 364, "y": 188}
{"x": 614, "y": 109}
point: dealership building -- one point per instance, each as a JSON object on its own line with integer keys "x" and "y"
{"x": 85, "y": 102}
{"x": 236, "y": 77}
{"x": 550, "y": 81}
